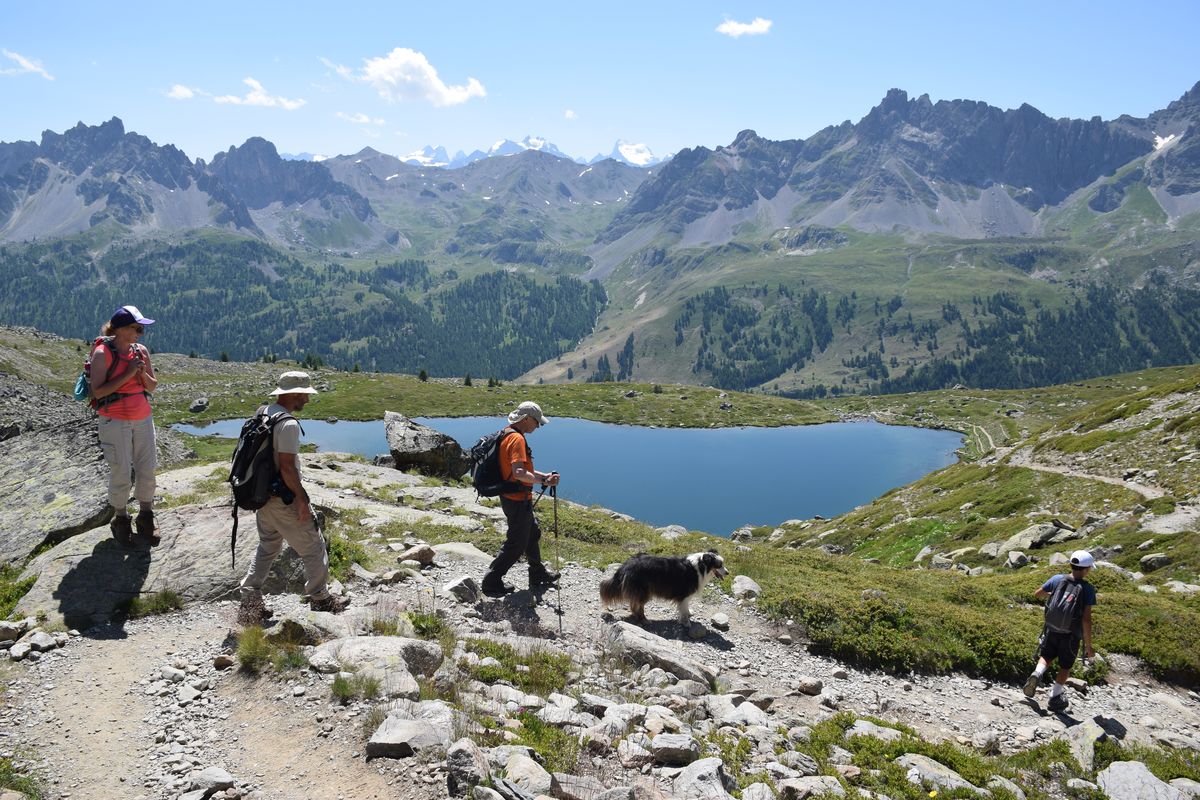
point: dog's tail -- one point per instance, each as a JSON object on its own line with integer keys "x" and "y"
{"x": 611, "y": 592}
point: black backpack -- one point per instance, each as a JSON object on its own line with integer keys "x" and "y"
{"x": 253, "y": 471}
{"x": 1064, "y": 606}
{"x": 485, "y": 466}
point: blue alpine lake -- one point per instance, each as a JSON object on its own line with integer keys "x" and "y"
{"x": 708, "y": 479}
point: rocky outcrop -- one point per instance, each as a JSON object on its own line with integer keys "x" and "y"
{"x": 415, "y": 446}
{"x": 1132, "y": 780}
{"x": 90, "y": 578}
{"x": 55, "y": 485}
{"x": 642, "y": 647}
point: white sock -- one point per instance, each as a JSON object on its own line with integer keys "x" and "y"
{"x": 1040, "y": 669}
{"x": 1057, "y": 689}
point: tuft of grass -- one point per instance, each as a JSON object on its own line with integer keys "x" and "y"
{"x": 371, "y": 721}
{"x": 11, "y": 779}
{"x": 559, "y": 748}
{"x": 163, "y": 602}
{"x": 288, "y": 656}
{"x": 428, "y": 625}
{"x": 348, "y": 687}
{"x": 735, "y": 752}
{"x": 537, "y": 671}
{"x": 12, "y": 589}
{"x": 253, "y": 650}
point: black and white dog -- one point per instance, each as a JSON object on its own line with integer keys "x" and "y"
{"x": 676, "y": 578}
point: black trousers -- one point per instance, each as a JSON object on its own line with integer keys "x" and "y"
{"x": 524, "y": 539}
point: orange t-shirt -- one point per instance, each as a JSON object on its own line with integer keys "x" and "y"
{"x": 513, "y": 449}
{"x": 133, "y": 404}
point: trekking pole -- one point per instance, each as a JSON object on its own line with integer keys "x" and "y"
{"x": 537, "y": 499}
{"x": 557, "y": 559}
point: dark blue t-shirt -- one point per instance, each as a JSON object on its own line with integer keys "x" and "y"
{"x": 1087, "y": 596}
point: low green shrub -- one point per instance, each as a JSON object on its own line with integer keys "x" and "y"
{"x": 537, "y": 671}
{"x": 347, "y": 687}
{"x": 12, "y": 589}
{"x": 559, "y": 748}
{"x": 935, "y": 620}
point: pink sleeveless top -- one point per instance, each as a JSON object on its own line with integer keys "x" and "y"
{"x": 133, "y": 404}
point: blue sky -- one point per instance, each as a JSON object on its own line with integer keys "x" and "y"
{"x": 334, "y": 78}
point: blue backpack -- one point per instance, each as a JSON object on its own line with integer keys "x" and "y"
{"x": 83, "y": 385}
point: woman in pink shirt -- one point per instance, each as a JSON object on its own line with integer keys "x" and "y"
{"x": 122, "y": 379}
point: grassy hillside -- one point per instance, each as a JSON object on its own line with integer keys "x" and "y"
{"x": 855, "y": 583}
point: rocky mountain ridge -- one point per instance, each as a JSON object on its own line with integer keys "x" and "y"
{"x": 960, "y": 167}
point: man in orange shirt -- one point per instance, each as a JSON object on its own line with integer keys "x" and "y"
{"x": 524, "y": 534}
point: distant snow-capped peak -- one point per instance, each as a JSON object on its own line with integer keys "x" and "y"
{"x": 427, "y": 156}
{"x": 638, "y": 155}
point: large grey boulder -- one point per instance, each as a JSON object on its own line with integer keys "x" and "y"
{"x": 674, "y": 749}
{"x": 863, "y": 727}
{"x": 415, "y": 655}
{"x": 642, "y": 647}
{"x": 401, "y": 738}
{"x": 528, "y": 774}
{"x": 89, "y": 578}
{"x": 705, "y": 779}
{"x": 1133, "y": 780}
{"x": 812, "y": 786}
{"x": 924, "y": 770}
{"x": 1082, "y": 738}
{"x": 1031, "y": 538}
{"x": 415, "y": 446}
{"x": 466, "y": 767}
{"x": 55, "y": 486}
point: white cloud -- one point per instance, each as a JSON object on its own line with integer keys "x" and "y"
{"x": 181, "y": 92}
{"x": 359, "y": 118}
{"x": 570, "y": 114}
{"x": 405, "y": 74}
{"x": 24, "y": 65}
{"x": 257, "y": 96}
{"x": 340, "y": 69}
{"x": 735, "y": 29}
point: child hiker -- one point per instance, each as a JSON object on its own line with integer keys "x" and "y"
{"x": 1068, "y": 622}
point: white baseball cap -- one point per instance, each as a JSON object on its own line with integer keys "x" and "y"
{"x": 1082, "y": 558}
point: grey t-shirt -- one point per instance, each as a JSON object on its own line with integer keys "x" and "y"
{"x": 287, "y": 436}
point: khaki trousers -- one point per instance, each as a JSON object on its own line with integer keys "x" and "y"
{"x": 277, "y": 524}
{"x": 128, "y": 447}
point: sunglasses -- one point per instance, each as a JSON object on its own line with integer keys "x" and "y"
{"x": 138, "y": 328}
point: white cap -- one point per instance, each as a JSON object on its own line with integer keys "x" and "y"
{"x": 529, "y": 409}
{"x": 1082, "y": 558}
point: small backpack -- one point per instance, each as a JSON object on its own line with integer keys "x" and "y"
{"x": 1064, "y": 606}
{"x": 83, "y": 384}
{"x": 252, "y": 472}
{"x": 485, "y": 466}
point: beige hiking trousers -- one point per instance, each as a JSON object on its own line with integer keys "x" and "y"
{"x": 277, "y": 524}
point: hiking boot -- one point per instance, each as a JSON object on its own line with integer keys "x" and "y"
{"x": 330, "y": 603}
{"x": 1058, "y": 702}
{"x": 543, "y": 577}
{"x": 122, "y": 530}
{"x": 497, "y": 589}
{"x": 1031, "y": 684}
{"x": 145, "y": 527}
{"x": 252, "y": 611}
